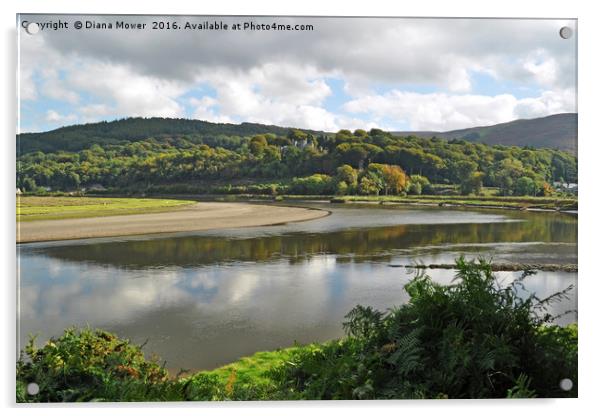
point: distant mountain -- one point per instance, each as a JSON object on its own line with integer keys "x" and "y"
{"x": 82, "y": 136}
{"x": 558, "y": 131}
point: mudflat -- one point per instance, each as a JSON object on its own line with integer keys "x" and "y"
{"x": 198, "y": 217}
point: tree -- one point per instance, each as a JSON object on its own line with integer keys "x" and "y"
{"x": 547, "y": 189}
{"x": 258, "y": 144}
{"x": 419, "y": 184}
{"x": 347, "y": 174}
{"x": 463, "y": 169}
{"x": 370, "y": 184}
{"x": 297, "y": 135}
{"x": 135, "y": 154}
{"x": 352, "y": 155}
{"x": 393, "y": 177}
{"x": 360, "y": 133}
{"x": 472, "y": 184}
{"x": 28, "y": 184}
{"x": 525, "y": 186}
{"x": 342, "y": 188}
{"x": 316, "y": 184}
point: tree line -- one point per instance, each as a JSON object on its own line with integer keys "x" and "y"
{"x": 300, "y": 162}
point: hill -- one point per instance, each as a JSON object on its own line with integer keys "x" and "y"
{"x": 83, "y": 136}
{"x": 185, "y": 156}
{"x": 558, "y": 131}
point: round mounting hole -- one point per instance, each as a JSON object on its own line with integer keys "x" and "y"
{"x": 566, "y": 384}
{"x": 33, "y": 389}
{"x": 566, "y": 32}
{"x": 32, "y": 28}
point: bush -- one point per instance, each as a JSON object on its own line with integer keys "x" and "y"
{"x": 316, "y": 184}
{"x": 471, "y": 339}
{"x": 89, "y": 365}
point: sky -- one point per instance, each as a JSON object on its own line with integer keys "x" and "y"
{"x": 397, "y": 74}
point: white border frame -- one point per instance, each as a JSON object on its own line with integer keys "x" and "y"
{"x": 589, "y": 225}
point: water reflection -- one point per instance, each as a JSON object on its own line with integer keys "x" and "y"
{"x": 360, "y": 232}
{"x": 204, "y": 300}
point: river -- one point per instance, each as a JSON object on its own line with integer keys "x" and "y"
{"x": 204, "y": 299}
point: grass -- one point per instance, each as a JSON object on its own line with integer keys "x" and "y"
{"x": 472, "y": 200}
{"x": 486, "y": 200}
{"x": 253, "y": 371}
{"x": 33, "y": 208}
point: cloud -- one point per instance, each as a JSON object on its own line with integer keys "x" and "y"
{"x": 550, "y": 102}
{"x": 205, "y": 109}
{"x": 281, "y": 94}
{"x": 54, "y": 117}
{"x": 129, "y": 93}
{"x": 441, "y": 111}
{"x": 435, "y": 51}
{"x": 274, "y": 77}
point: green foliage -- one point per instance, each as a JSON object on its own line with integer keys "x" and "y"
{"x": 391, "y": 178}
{"x": 347, "y": 174}
{"x": 419, "y": 184}
{"x": 471, "y": 339}
{"x": 87, "y": 136}
{"x": 313, "y": 185}
{"x": 342, "y": 188}
{"x": 94, "y": 365}
{"x": 472, "y": 184}
{"x": 144, "y": 154}
{"x": 525, "y": 186}
{"x": 371, "y": 184}
{"x": 30, "y": 208}
{"x": 90, "y": 365}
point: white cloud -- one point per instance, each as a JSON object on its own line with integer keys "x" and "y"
{"x": 93, "y": 111}
{"x": 281, "y": 77}
{"x": 54, "y": 117}
{"x": 441, "y": 111}
{"x": 549, "y": 102}
{"x": 279, "y": 94}
{"x": 53, "y": 87}
{"x": 128, "y": 92}
{"x": 205, "y": 110}
{"x": 541, "y": 66}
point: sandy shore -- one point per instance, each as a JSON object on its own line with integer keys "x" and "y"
{"x": 198, "y": 217}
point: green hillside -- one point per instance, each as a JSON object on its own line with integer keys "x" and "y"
{"x": 185, "y": 156}
{"x": 78, "y": 137}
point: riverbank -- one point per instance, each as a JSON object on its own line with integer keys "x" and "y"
{"x": 500, "y": 267}
{"x": 567, "y": 205}
{"x": 518, "y": 203}
{"x": 35, "y": 208}
{"x": 196, "y": 217}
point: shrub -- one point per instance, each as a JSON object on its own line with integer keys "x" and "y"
{"x": 316, "y": 184}
{"x": 89, "y": 365}
{"x": 471, "y": 339}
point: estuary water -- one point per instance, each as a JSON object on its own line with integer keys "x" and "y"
{"x": 201, "y": 300}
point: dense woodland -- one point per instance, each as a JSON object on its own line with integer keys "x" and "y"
{"x": 218, "y": 158}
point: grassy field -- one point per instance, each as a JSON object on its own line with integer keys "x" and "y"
{"x": 32, "y": 208}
